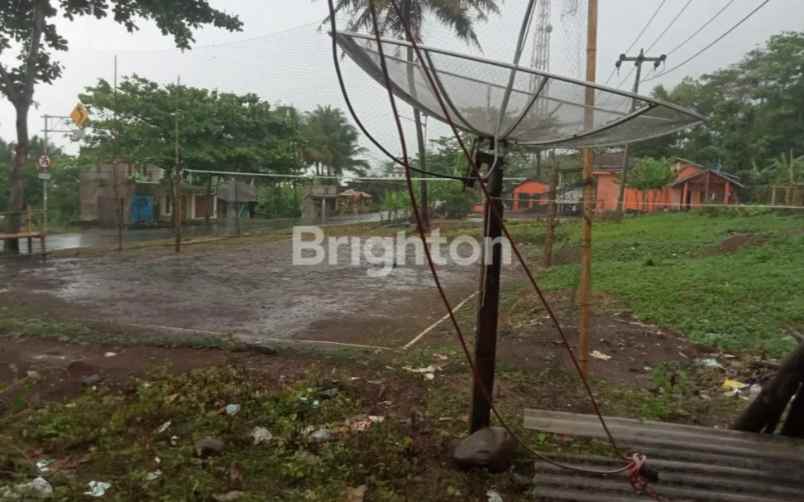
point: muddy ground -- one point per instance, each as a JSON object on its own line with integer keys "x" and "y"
{"x": 252, "y": 291}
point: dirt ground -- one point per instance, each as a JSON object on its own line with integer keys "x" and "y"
{"x": 252, "y": 291}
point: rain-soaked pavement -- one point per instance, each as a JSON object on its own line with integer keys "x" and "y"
{"x": 252, "y": 290}
{"x": 107, "y": 238}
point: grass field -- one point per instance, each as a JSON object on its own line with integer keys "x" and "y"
{"x": 731, "y": 281}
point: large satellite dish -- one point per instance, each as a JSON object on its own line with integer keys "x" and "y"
{"x": 520, "y": 106}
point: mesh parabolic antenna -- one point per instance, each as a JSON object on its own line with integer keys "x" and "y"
{"x": 541, "y": 109}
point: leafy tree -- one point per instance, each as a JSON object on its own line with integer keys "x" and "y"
{"x": 29, "y": 41}
{"x": 63, "y": 189}
{"x": 649, "y": 174}
{"x": 458, "y": 17}
{"x": 217, "y": 131}
{"x": 331, "y": 143}
{"x": 755, "y": 110}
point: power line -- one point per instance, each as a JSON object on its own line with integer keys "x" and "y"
{"x": 205, "y": 46}
{"x": 703, "y": 27}
{"x": 712, "y": 44}
{"x": 639, "y": 37}
{"x": 672, "y": 23}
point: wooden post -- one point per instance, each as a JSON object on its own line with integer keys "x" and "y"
{"x": 486, "y": 332}
{"x": 585, "y": 286}
{"x": 120, "y": 222}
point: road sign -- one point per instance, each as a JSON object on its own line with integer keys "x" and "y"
{"x": 44, "y": 176}
{"x": 79, "y": 115}
{"x": 44, "y": 163}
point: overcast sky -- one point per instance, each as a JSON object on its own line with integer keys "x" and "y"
{"x": 281, "y": 55}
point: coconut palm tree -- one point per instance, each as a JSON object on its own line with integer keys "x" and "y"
{"x": 459, "y": 16}
{"x": 331, "y": 143}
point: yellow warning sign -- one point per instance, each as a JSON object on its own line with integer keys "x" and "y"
{"x": 79, "y": 115}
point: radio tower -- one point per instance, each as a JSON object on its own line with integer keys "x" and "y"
{"x": 540, "y": 59}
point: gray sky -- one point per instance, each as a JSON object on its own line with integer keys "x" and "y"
{"x": 281, "y": 56}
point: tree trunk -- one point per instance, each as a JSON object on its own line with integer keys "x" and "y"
{"x": 22, "y": 104}
{"x": 765, "y": 412}
{"x": 16, "y": 188}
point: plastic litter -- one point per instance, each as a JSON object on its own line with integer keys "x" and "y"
{"x": 165, "y": 426}
{"x": 428, "y": 372}
{"x": 261, "y": 435}
{"x": 709, "y": 362}
{"x": 110, "y": 354}
{"x": 97, "y": 488}
{"x": 232, "y": 409}
{"x": 731, "y": 385}
{"x": 39, "y": 488}
{"x": 600, "y": 355}
{"x": 494, "y": 496}
{"x": 43, "y": 465}
{"x": 153, "y": 476}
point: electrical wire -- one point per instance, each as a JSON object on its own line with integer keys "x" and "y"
{"x": 702, "y": 28}
{"x": 638, "y": 37}
{"x": 634, "y": 463}
{"x": 669, "y": 26}
{"x": 710, "y": 45}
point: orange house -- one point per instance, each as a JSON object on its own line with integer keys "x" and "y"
{"x": 529, "y": 194}
{"x": 693, "y": 186}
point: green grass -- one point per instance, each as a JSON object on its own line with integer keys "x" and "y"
{"x": 668, "y": 270}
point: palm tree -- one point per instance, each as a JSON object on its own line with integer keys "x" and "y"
{"x": 459, "y": 16}
{"x": 331, "y": 143}
{"x": 788, "y": 169}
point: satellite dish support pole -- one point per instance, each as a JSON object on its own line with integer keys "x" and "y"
{"x": 487, "y": 314}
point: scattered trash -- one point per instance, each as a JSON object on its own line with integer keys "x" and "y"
{"x": 232, "y": 409}
{"x": 33, "y": 375}
{"x": 153, "y": 476}
{"x": 330, "y": 393}
{"x": 494, "y": 496}
{"x": 110, "y": 354}
{"x": 599, "y": 355}
{"x": 43, "y": 465}
{"x": 428, "y": 372}
{"x": 729, "y": 356}
{"x": 91, "y": 380}
{"x": 731, "y": 385}
{"x": 165, "y": 426}
{"x": 228, "y": 497}
{"x": 356, "y": 494}
{"x": 174, "y": 440}
{"x": 360, "y": 424}
{"x": 709, "y": 362}
{"x": 261, "y": 435}
{"x": 97, "y": 488}
{"x": 39, "y": 488}
{"x": 321, "y": 436}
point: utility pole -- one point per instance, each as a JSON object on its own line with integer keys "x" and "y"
{"x": 638, "y": 62}
{"x": 486, "y": 331}
{"x": 585, "y": 287}
{"x": 44, "y": 173}
{"x": 177, "y": 175}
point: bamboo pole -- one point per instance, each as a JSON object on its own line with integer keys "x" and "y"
{"x": 585, "y": 286}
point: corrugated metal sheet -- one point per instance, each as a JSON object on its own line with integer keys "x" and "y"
{"x": 694, "y": 463}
